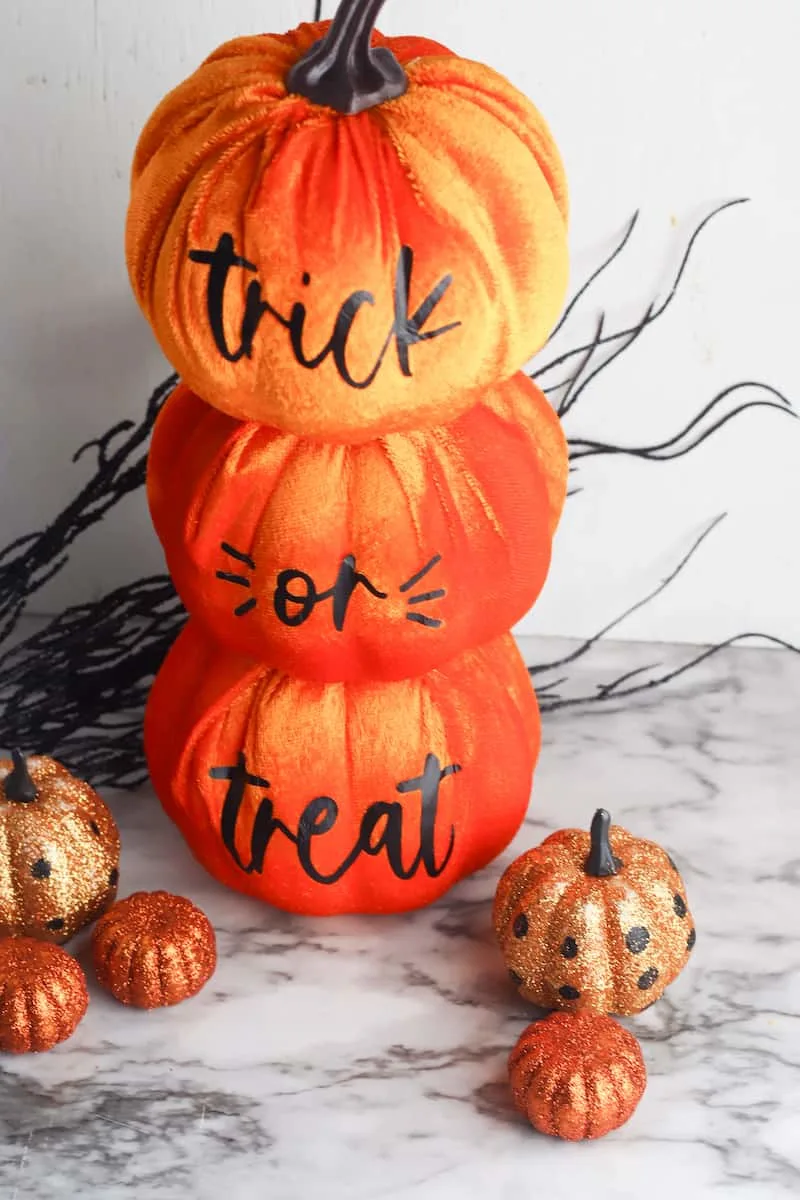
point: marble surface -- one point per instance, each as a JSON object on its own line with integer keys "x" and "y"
{"x": 365, "y": 1058}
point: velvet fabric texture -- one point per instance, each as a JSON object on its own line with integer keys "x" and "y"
{"x": 346, "y": 276}
{"x": 372, "y": 561}
{"x": 369, "y": 797}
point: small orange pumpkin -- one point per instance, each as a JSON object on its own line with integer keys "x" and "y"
{"x": 342, "y": 234}
{"x": 577, "y": 1075}
{"x": 154, "y": 949}
{"x": 583, "y": 925}
{"x": 330, "y": 798}
{"x": 59, "y": 850}
{"x": 43, "y": 995}
{"x": 378, "y": 561}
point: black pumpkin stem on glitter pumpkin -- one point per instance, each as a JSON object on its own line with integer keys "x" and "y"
{"x": 602, "y": 862}
{"x": 343, "y": 70}
{"x": 20, "y": 788}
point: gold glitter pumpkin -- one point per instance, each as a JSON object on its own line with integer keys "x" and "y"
{"x": 43, "y": 995}
{"x": 577, "y": 1075}
{"x": 154, "y": 949}
{"x": 585, "y": 926}
{"x": 59, "y": 851}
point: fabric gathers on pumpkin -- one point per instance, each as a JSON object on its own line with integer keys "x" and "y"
{"x": 355, "y": 488}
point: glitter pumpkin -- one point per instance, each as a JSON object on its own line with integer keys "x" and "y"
{"x": 154, "y": 949}
{"x": 59, "y": 851}
{"x": 342, "y": 234}
{"x": 577, "y": 1075}
{"x": 375, "y": 561}
{"x": 43, "y": 995}
{"x": 595, "y": 921}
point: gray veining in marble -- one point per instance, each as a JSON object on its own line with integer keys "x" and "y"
{"x": 365, "y": 1058}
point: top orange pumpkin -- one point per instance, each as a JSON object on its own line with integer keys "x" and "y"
{"x": 344, "y": 235}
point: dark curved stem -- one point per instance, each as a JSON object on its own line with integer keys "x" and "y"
{"x": 343, "y": 70}
{"x": 19, "y": 786}
{"x": 601, "y": 861}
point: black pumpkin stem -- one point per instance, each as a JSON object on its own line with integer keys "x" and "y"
{"x": 19, "y": 786}
{"x": 343, "y": 70}
{"x": 601, "y": 861}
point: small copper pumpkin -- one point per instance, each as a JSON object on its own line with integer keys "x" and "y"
{"x": 577, "y": 1075}
{"x": 43, "y": 995}
{"x": 154, "y": 949}
{"x": 59, "y": 851}
{"x": 585, "y": 926}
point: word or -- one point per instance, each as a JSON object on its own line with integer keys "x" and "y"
{"x": 380, "y": 830}
{"x": 406, "y": 331}
{"x": 296, "y": 596}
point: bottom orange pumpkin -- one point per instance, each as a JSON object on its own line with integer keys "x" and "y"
{"x": 577, "y": 1075}
{"x": 343, "y": 797}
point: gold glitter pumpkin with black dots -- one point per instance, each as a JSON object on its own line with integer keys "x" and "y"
{"x": 593, "y": 921}
{"x": 59, "y": 851}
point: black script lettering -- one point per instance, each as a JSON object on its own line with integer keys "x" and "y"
{"x": 220, "y": 263}
{"x": 407, "y": 328}
{"x": 381, "y": 827}
{"x": 428, "y": 785}
{"x": 304, "y": 601}
{"x": 264, "y": 825}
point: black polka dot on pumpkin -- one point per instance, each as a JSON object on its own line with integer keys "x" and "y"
{"x": 95, "y": 828}
{"x": 520, "y": 926}
{"x": 691, "y": 939}
{"x": 56, "y": 924}
{"x": 113, "y": 878}
{"x": 306, "y": 278}
{"x": 679, "y": 904}
{"x": 41, "y": 869}
{"x": 568, "y": 992}
{"x": 515, "y": 978}
{"x": 648, "y": 979}
{"x": 569, "y": 948}
{"x": 637, "y": 939}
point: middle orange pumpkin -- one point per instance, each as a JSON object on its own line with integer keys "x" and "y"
{"x": 379, "y": 560}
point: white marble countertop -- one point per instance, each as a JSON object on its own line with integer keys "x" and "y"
{"x": 365, "y": 1057}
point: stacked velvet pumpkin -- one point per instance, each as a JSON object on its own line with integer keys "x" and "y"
{"x": 348, "y": 245}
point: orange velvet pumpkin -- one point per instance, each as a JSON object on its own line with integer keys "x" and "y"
{"x": 577, "y": 1075}
{"x": 594, "y": 920}
{"x": 343, "y": 235}
{"x": 375, "y": 561}
{"x": 348, "y": 797}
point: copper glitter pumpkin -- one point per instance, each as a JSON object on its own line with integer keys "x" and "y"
{"x": 59, "y": 851}
{"x": 43, "y": 995}
{"x": 154, "y": 950}
{"x": 593, "y": 921}
{"x": 577, "y": 1075}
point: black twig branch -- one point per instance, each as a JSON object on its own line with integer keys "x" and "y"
{"x": 697, "y": 431}
{"x": 640, "y": 679}
{"x": 29, "y": 562}
{"x": 628, "y": 334}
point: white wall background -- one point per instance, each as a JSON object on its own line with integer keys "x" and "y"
{"x": 668, "y": 107}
